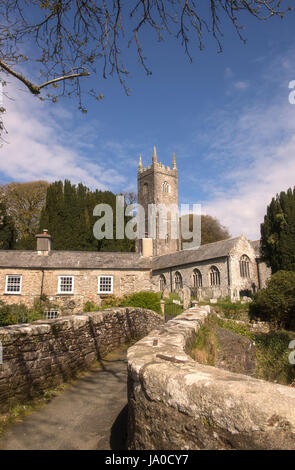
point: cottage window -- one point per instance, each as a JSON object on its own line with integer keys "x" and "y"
{"x": 214, "y": 276}
{"x": 13, "y": 284}
{"x": 65, "y": 284}
{"x": 105, "y": 284}
{"x": 197, "y": 278}
{"x": 245, "y": 266}
{"x": 178, "y": 281}
{"x": 51, "y": 314}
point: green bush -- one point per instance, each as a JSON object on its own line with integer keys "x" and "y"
{"x": 90, "y": 307}
{"x": 18, "y": 313}
{"x": 150, "y": 300}
{"x": 276, "y": 303}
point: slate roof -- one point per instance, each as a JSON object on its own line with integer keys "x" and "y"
{"x": 256, "y": 246}
{"x": 72, "y": 260}
{"x": 209, "y": 251}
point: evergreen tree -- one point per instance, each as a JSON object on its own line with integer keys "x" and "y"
{"x": 278, "y": 232}
{"x": 68, "y": 216}
{"x": 7, "y": 229}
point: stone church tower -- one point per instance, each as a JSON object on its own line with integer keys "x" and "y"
{"x": 158, "y": 184}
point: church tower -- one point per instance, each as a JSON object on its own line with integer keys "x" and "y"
{"x": 158, "y": 184}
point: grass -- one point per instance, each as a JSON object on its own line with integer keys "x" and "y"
{"x": 271, "y": 352}
{"x": 205, "y": 346}
{"x": 172, "y": 308}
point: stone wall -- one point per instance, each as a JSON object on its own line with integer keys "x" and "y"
{"x": 176, "y": 403}
{"x": 186, "y": 271}
{"x": 85, "y": 286}
{"x": 44, "y": 354}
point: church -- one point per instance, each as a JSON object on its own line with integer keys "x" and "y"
{"x": 228, "y": 268}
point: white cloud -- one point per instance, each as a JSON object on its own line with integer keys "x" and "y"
{"x": 258, "y": 146}
{"x": 44, "y": 143}
{"x": 241, "y": 85}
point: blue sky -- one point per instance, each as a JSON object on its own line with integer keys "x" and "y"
{"x": 226, "y": 116}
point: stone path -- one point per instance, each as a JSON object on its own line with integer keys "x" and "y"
{"x": 90, "y": 414}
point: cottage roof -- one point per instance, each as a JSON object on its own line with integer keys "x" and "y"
{"x": 205, "y": 252}
{"x": 72, "y": 260}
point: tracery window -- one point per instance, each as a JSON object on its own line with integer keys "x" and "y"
{"x": 245, "y": 266}
{"x": 197, "y": 278}
{"x": 214, "y": 276}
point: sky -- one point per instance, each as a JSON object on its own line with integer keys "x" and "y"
{"x": 226, "y": 116}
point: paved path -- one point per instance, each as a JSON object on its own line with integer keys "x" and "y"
{"x": 90, "y": 414}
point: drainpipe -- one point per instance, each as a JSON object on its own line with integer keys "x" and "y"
{"x": 171, "y": 287}
{"x": 228, "y": 272}
{"x": 42, "y": 284}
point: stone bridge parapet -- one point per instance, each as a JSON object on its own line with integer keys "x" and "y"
{"x": 176, "y": 403}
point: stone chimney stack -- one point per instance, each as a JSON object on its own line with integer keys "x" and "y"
{"x": 43, "y": 243}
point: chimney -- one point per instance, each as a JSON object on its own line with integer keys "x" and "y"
{"x": 43, "y": 243}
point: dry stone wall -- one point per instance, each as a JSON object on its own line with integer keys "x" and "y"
{"x": 176, "y": 403}
{"x": 44, "y": 354}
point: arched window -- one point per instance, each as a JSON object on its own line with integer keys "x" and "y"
{"x": 145, "y": 189}
{"x": 245, "y": 266}
{"x": 197, "y": 278}
{"x": 162, "y": 282}
{"x": 178, "y": 281}
{"x": 214, "y": 276}
{"x": 166, "y": 187}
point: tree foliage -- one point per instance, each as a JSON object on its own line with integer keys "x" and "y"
{"x": 71, "y": 39}
{"x": 278, "y": 232}
{"x": 7, "y": 229}
{"x": 24, "y": 202}
{"x": 211, "y": 229}
{"x": 276, "y": 303}
{"x": 68, "y": 216}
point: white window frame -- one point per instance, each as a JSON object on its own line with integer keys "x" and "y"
{"x": 20, "y": 286}
{"x": 59, "y": 284}
{"x": 51, "y": 314}
{"x": 103, "y": 291}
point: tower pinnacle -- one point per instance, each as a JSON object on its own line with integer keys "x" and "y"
{"x": 140, "y": 163}
{"x": 174, "y": 162}
{"x": 155, "y": 158}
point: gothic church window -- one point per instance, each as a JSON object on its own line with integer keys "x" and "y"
{"x": 145, "y": 189}
{"x": 245, "y": 266}
{"x": 166, "y": 187}
{"x": 178, "y": 281}
{"x": 162, "y": 282}
{"x": 197, "y": 278}
{"x": 214, "y": 276}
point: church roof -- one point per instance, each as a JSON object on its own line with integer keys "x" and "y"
{"x": 256, "y": 246}
{"x": 73, "y": 260}
{"x": 205, "y": 252}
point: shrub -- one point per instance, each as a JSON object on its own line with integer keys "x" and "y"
{"x": 150, "y": 300}
{"x": 90, "y": 307}
{"x": 13, "y": 314}
{"x": 276, "y": 303}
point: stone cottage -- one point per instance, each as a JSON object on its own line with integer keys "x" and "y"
{"x": 70, "y": 278}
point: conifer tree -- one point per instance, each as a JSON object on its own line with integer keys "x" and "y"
{"x": 68, "y": 216}
{"x": 278, "y": 232}
{"x": 7, "y": 229}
